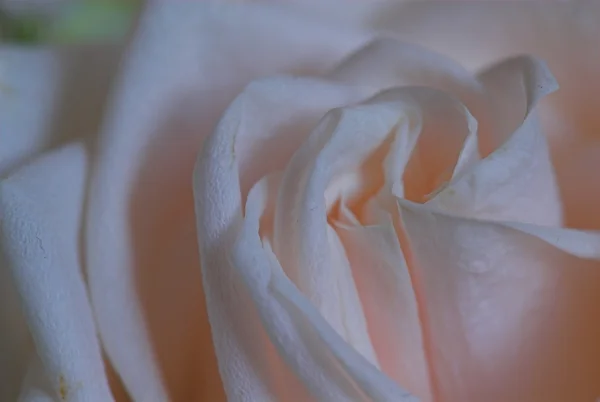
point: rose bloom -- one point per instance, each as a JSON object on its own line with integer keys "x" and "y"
{"x": 370, "y": 201}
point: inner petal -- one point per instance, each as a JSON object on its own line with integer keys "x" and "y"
{"x": 348, "y": 169}
{"x": 516, "y": 181}
{"x": 386, "y": 292}
{"x": 446, "y": 127}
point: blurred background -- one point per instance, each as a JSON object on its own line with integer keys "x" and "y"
{"x": 36, "y": 21}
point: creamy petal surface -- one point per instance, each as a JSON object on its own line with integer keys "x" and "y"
{"x": 301, "y": 201}
{"x": 40, "y": 210}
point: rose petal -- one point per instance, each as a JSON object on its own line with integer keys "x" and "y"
{"x": 24, "y": 122}
{"x": 515, "y": 182}
{"x": 503, "y": 29}
{"x": 514, "y": 87}
{"x": 274, "y": 116}
{"x": 41, "y": 208}
{"x": 423, "y": 156}
{"x": 342, "y": 153}
{"x": 579, "y": 185}
{"x": 387, "y": 62}
{"x": 328, "y": 366}
{"x": 187, "y": 62}
{"x": 564, "y": 34}
{"x": 506, "y": 307}
{"x": 269, "y": 112}
{"x": 35, "y": 386}
{"x": 250, "y": 298}
{"x": 304, "y": 243}
{"x": 385, "y": 288}
{"x": 377, "y": 262}
{"x": 38, "y": 88}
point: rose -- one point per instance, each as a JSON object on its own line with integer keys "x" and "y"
{"x": 489, "y": 298}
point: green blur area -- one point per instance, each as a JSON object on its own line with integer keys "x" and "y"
{"x": 81, "y": 21}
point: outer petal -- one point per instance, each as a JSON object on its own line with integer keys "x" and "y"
{"x": 188, "y": 61}
{"x": 50, "y": 95}
{"x": 507, "y": 309}
{"x": 40, "y": 211}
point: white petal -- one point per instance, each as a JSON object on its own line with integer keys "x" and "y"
{"x": 329, "y": 367}
{"x": 305, "y": 244}
{"x": 256, "y": 116}
{"x": 185, "y": 65}
{"x": 516, "y": 181}
{"x": 277, "y": 343}
{"x": 41, "y": 208}
{"x": 564, "y": 34}
{"x": 35, "y": 386}
{"x": 388, "y": 298}
{"x": 503, "y": 29}
{"x": 508, "y": 307}
{"x": 48, "y": 96}
{"x": 387, "y": 62}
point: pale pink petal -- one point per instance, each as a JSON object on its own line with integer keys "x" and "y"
{"x": 275, "y": 117}
{"x": 502, "y": 29}
{"x": 49, "y": 95}
{"x": 35, "y": 386}
{"x": 342, "y": 153}
{"x": 271, "y": 341}
{"x": 388, "y": 62}
{"x": 516, "y": 181}
{"x": 576, "y": 172}
{"x": 564, "y": 34}
{"x": 305, "y": 244}
{"x": 33, "y": 77}
{"x": 378, "y": 264}
{"x": 506, "y": 307}
{"x": 187, "y": 62}
{"x": 41, "y": 210}
{"x": 328, "y": 366}
{"x": 385, "y": 288}
{"x": 269, "y": 112}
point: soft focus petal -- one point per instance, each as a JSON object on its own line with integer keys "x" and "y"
{"x": 188, "y": 61}
{"x": 35, "y": 386}
{"x": 507, "y": 308}
{"x": 516, "y": 181}
{"x": 50, "y": 95}
{"x": 503, "y": 29}
{"x": 564, "y": 34}
{"x": 40, "y": 208}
